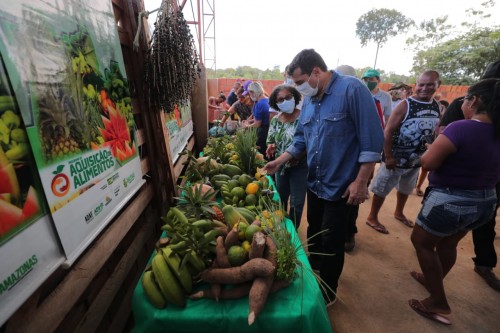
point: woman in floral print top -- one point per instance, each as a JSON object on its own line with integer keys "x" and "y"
{"x": 291, "y": 180}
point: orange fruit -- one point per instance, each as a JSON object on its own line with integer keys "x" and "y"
{"x": 252, "y": 188}
{"x": 237, "y": 255}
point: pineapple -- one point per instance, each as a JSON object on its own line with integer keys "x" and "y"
{"x": 244, "y": 147}
{"x": 198, "y": 201}
{"x": 59, "y": 127}
{"x": 219, "y": 216}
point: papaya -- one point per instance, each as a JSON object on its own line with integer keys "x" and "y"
{"x": 231, "y": 170}
{"x": 232, "y": 216}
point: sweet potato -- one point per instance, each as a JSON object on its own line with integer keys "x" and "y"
{"x": 239, "y": 274}
{"x": 215, "y": 288}
{"x": 270, "y": 251}
{"x": 258, "y": 296}
{"x": 222, "y": 231}
{"x": 238, "y": 291}
{"x": 232, "y": 238}
{"x": 221, "y": 254}
{"x": 258, "y": 245}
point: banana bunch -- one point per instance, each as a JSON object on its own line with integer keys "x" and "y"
{"x": 191, "y": 234}
{"x": 169, "y": 280}
{"x": 189, "y": 251}
{"x": 13, "y": 138}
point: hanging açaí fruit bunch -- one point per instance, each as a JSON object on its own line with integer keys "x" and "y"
{"x": 172, "y": 63}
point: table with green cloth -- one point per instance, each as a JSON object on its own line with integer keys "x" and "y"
{"x": 297, "y": 308}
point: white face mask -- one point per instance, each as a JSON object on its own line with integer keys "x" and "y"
{"x": 306, "y": 89}
{"x": 287, "y": 106}
{"x": 254, "y": 98}
{"x": 289, "y": 81}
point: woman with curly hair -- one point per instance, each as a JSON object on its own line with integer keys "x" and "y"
{"x": 291, "y": 178}
{"x": 464, "y": 165}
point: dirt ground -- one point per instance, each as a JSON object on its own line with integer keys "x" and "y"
{"x": 375, "y": 285}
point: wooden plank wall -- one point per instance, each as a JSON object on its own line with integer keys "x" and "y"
{"x": 95, "y": 294}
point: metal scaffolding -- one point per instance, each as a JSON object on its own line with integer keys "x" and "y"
{"x": 202, "y": 22}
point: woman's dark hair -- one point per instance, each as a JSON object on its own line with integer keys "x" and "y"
{"x": 444, "y": 102}
{"x": 273, "y": 98}
{"x": 488, "y": 91}
{"x": 306, "y": 60}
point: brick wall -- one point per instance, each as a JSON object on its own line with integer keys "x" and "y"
{"x": 215, "y": 86}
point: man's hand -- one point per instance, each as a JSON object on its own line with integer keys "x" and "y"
{"x": 271, "y": 167}
{"x": 355, "y": 193}
{"x": 390, "y": 162}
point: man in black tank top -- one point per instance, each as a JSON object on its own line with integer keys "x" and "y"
{"x": 410, "y": 127}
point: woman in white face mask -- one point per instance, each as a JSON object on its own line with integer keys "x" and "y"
{"x": 291, "y": 179}
{"x": 260, "y": 114}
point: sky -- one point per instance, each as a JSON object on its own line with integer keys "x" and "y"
{"x": 269, "y": 33}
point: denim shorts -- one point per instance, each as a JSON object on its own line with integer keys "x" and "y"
{"x": 385, "y": 180}
{"x": 447, "y": 211}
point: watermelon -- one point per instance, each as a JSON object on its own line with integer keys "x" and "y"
{"x": 8, "y": 180}
{"x": 31, "y": 205}
{"x": 6, "y": 197}
{"x": 11, "y": 216}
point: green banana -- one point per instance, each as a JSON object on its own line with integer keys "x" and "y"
{"x": 11, "y": 120}
{"x": 209, "y": 236}
{"x": 7, "y": 103}
{"x": 179, "y": 246}
{"x": 152, "y": 290}
{"x": 169, "y": 286}
{"x": 168, "y": 228}
{"x": 217, "y": 223}
{"x": 220, "y": 183}
{"x": 179, "y": 215}
{"x": 18, "y": 135}
{"x": 221, "y": 177}
{"x": 195, "y": 260}
{"x": 185, "y": 263}
{"x": 174, "y": 263}
{"x": 202, "y": 224}
{"x": 17, "y": 152}
{"x": 247, "y": 214}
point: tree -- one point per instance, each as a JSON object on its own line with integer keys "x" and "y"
{"x": 461, "y": 60}
{"x": 460, "y": 54}
{"x": 430, "y": 33}
{"x": 379, "y": 24}
{"x": 246, "y": 72}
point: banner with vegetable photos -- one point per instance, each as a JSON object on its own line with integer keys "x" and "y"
{"x": 65, "y": 62}
{"x": 29, "y": 248}
{"x": 179, "y": 126}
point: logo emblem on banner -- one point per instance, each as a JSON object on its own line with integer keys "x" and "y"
{"x": 60, "y": 183}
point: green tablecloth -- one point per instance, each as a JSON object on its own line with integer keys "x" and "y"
{"x": 297, "y": 308}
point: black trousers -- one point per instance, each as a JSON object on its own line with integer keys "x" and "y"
{"x": 326, "y": 236}
{"x": 483, "y": 238}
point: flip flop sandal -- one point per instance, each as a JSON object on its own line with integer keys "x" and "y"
{"x": 405, "y": 221}
{"x": 380, "y": 228}
{"x": 419, "y": 308}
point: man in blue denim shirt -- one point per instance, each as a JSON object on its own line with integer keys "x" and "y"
{"x": 340, "y": 131}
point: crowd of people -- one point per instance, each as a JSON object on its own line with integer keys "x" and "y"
{"x": 323, "y": 131}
